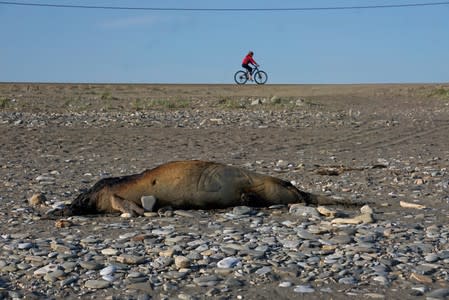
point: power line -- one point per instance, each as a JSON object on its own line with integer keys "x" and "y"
{"x": 197, "y": 9}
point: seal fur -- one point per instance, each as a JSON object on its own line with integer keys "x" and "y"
{"x": 190, "y": 184}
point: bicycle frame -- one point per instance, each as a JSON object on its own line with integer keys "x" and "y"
{"x": 255, "y": 69}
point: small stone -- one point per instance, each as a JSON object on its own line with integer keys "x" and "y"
{"x": 97, "y": 284}
{"x": 347, "y": 280}
{"x": 419, "y": 290}
{"x": 182, "y": 262}
{"x": 44, "y": 178}
{"x": 228, "y": 262}
{"x": 203, "y": 281}
{"x": 374, "y": 296}
{"x": 306, "y": 235}
{"x": 263, "y": 271}
{"x": 69, "y": 281}
{"x": 381, "y": 279}
{"x": 141, "y": 286}
{"x": 109, "y": 278}
{"x": 109, "y": 252}
{"x": 366, "y": 209}
{"x": 148, "y": 202}
{"x": 24, "y": 246}
{"x": 431, "y": 258}
{"x": 442, "y": 293}
{"x": 366, "y": 218}
{"x": 108, "y": 270}
{"x": 46, "y": 269}
{"x": 167, "y": 253}
{"x": 130, "y": 259}
{"x": 303, "y": 289}
{"x": 303, "y": 211}
{"x": 285, "y": 284}
{"x": 90, "y": 265}
{"x": 256, "y": 102}
{"x": 54, "y": 276}
{"x": 242, "y": 210}
{"x": 184, "y": 213}
{"x": 426, "y": 269}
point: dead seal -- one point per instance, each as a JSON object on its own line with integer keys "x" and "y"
{"x": 189, "y": 185}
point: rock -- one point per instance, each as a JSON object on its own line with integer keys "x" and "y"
{"x": 167, "y": 253}
{"x": 431, "y": 258}
{"x": 228, "y": 262}
{"x": 186, "y": 214}
{"x": 44, "y": 178}
{"x": 242, "y": 210}
{"x": 366, "y": 218}
{"x": 109, "y": 270}
{"x": 25, "y": 246}
{"x": 256, "y": 102}
{"x": 46, "y": 269}
{"x": 130, "y": 259}
{"x": 182, "y": 262}
{"x": 148, "y": 203}
{"x": 97, "y": 284}
{"x": 442, "y": 293}
{"x": 285, "y": 284}
{"x": 304, "y": 211}
{"x": 263, "y": 271}
{"x": 141, "y": 286}
{"x": 374, "y": 296}
{"x": 303, "y": 289}
{"x": 204, "y": 281}
{"x": 109, "y": 251}
{"x": 366, "y": 209}
{"x": 90, "y": 265}
{"x": 54, "y": 276}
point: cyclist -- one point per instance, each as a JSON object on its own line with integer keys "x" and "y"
{"x": 249, "y": 60}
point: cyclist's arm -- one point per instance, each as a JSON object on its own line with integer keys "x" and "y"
{"x": 254, "y": 62}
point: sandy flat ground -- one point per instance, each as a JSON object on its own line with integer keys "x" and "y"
{"x": 82, "y": 132}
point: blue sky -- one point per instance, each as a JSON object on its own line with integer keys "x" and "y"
{"x": 394, "y": 45}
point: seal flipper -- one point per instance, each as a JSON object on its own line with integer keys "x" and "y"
{"x": 125, "y": 206}
{"x": 317, "y": 199}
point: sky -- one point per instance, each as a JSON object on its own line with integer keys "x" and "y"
{"x": 384, "y": 45}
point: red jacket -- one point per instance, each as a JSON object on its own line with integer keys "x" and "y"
{"x": 248, "y": 59}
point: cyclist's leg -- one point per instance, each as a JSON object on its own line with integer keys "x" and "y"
{"x": 249, "y": 71}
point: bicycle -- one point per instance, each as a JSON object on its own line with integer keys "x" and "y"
{"x": 241, "y": 76}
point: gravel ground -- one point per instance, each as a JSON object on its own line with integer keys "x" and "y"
{"x": 382, "y": 144}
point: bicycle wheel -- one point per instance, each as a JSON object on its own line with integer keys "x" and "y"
{"x": 260, "y": 77}
{"x": 240, "y": 77}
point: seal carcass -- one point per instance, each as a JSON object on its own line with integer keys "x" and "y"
{"x": 189, "y": 185}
